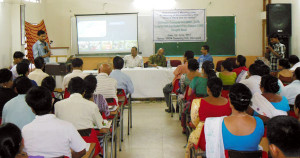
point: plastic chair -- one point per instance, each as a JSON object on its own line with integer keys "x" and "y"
{"x": 113, "y": 135}
{"x": 90, "y": 136}
{"x": 175, "y": 63}
{"x": 123, "y": 101}
{"x": 66, "y": 94}
{"x": 231, "y": 154}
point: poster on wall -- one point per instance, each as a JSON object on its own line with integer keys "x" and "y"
{"x": 183, "y": 25}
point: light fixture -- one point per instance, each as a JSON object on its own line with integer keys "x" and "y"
{"x": 154, "y": 4}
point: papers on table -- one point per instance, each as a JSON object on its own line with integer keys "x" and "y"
{"x": 107, "y": 123}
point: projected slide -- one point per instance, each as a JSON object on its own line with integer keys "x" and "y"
{"x": 115, "y": 33}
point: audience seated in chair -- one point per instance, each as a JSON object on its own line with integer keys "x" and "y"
{"x": 123, "y": 80}
{"x": 180, "y": 70}
{"x": 212, "y": 106}
{"x": 253, "y": 79}
{"x": 38, "y": 75}
{"x": 106, "y": 85}
{"x": 6, "y": 91}
{"x": 47, "y": 135}
{"x": 283, "y": 135}
{"x": 82, "y": 113}
{"x": 285, "y": 74}
{"x": 239, "y": 131}
{"x": 241, "y": 63}
{"x": 11, "y": 143}
{"x": 90, "y": 83}
{"x": 293, "y": 89}
{"x": 50, "y": 84}
{"x": 269, "y": 86}
{"x": 294, "y": 61}
{"x": 77, "y": 72}
{"x": 16, "y": 110}
{"x": 23, "y": 70}
{"x": 18, "y": 57}
{"x": 227, "y": 76}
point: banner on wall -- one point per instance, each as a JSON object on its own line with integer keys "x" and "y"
{"x": 186, "y": 25}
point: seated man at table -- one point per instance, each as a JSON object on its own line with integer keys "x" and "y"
{"x": 133, "y": 60}
{"x": 82, "y": 113}
{"x": 47, "y": 135}
{"x": 38, "y": 75}
{"x": 77, "y": 72}
{"x": 181, "y": 69}
{"x": 106, "y": 85}
{"x": 124, "y": 81}
{"x": 158, "y": 59}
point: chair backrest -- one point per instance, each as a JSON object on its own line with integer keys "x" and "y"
{"x": 122, "y": 96}
{"x": 111, "y": 101}
{"x": 175, "y": 63}
{"x": 244, "y": 154}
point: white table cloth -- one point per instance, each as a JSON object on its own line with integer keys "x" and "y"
{"x": 147, "y": 82}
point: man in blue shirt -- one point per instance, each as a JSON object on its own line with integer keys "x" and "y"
{"x": 205, "y": 55}
{"x": 16, "y": 110}
{"x": 124, "y": 81}
{"x": 41, "y": 47}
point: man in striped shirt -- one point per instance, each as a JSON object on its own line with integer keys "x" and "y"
{"x": 275, "y": 52}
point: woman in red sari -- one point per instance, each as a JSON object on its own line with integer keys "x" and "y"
{"x": 212, "y": 106}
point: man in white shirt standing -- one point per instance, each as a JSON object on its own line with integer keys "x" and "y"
{"x": 47, "y": 135}
{"x": 253, "y": 82}
{"x": 293, "y": 89}
{"x": 82, "y": 113}
{"x": 77, "y": 72}
{"x": 106, "y": 85}
{"x": 38, "y": 75}
{"x": 133, "y": 60}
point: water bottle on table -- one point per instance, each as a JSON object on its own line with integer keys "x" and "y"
{"x": 200, "y": 64}
{"x": 168, "y": 63}
{"x": 142, "y": 63}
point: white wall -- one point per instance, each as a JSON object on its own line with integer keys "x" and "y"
{"x": 5, "y": 35}
{"x": 57, "y": 15}
{"x": 295, "y": 28}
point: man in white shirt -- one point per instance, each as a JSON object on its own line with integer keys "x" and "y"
{"x": 77, "y": 72}
{"x": 47, "y": 135}
{"x": 133, "y": 60}
{"x": 82, "y": 113}
{"x": 293, "y": 89}
{"x": 38, "y": 75}
{"x": 253, "y": 82}
{"x": 106, "y": 85}
{"x": 294, "y": 61}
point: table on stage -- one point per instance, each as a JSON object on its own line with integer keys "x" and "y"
{"x": 147, "y": 82}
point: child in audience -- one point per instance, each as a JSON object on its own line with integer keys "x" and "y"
{"x": 47, "y": 135}
{"x": 283, "y": 135}
{"x": 11, "y": 144}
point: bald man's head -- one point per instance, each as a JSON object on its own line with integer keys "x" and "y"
{"x": 105, "y": 68}
{"x": 160, "y": 51}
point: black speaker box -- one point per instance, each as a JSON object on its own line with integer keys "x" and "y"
{"x": 59, "y": 69}
{"x": 279, "y": 19}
